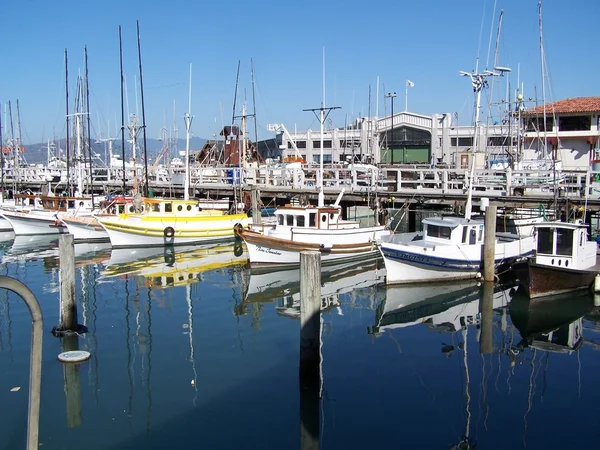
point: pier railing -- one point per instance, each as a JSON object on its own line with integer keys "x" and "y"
{"x": 397, "y": 179}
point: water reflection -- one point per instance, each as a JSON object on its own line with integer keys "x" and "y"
{"x": 171, "y": 266}
{"x": 283, "y": 286}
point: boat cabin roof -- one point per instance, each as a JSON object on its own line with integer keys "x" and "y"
{"x": 450, "y": 222}
{"x": 563, "y": 225}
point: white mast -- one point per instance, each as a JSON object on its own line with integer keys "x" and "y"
{"x": 187, "y": 118}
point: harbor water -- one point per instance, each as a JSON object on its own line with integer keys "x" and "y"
{"x": 192, "y": 349}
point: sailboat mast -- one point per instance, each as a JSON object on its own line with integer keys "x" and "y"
{"x": 67, "y": 118}
{"x": 89, "y": 132}
{"x": 122, "y": 112}
{"x": 187, "y": 117}
{"x": 254, "y": 105}
{"x": 146, "y": 189}
{"x": 12, "y": 135}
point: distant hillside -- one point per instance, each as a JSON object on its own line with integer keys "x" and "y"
{"x": 37, "y": 153}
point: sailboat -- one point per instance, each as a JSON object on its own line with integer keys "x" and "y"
{"x": 451, "y": 248}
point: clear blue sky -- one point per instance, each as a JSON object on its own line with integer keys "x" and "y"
{"x": 428, "y": 42}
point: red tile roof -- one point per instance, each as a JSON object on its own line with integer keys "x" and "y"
{"x": 568, "y": 106}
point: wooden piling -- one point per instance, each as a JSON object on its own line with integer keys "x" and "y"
{"x": 310, "y": 313}
{"x": 256, "y": 216}
{"x": 68, "y": 300}
{"x": 486, "y": 307}
{"x": 489, "y": 244}
{"x": 72, "y": 383}
{"x": 310, "y": 348}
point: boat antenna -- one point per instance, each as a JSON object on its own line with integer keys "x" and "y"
{"x": 254, "y": 106}
{"x": 67, "y": 118}
{"x": 187, "y": 118}
{"x": 87, "y": 107}
{"x": 479, "y": 81}
{"x": 122, "y": 112}
{"x": 146, "y": 189}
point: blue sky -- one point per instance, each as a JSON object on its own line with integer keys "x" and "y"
{"x": 428, "y": 42}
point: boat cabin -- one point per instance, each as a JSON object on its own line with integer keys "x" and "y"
{"x": 158, "y": 206}
{"x": 52, "y": 203}
{"x": 452, "y": 231}
{"x": 310, "y": 217}
{"x": 564, "y": 245}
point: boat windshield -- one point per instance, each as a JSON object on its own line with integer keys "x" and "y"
{"x": 438, "y": 232}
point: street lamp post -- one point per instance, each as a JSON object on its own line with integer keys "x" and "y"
{"x": 391, "y": 95}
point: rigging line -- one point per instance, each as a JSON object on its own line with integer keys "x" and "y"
{"x": 487, "y": 61}
{"x": 480, "y": 37}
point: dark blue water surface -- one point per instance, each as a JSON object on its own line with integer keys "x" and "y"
{"x": 191, "y": 349}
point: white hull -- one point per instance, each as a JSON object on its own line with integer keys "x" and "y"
{"x": 5, "y": 225}
{"x": 85, "y": 229}
{"x": 33, "y": 222}
{"x": 406, "y": 263}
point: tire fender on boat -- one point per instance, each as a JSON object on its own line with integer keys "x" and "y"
{"x": 237, "y": 228}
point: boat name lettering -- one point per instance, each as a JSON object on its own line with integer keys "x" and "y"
{"x": 267, "y": 250}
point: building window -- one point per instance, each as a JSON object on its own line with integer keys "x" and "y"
{"x": 499, "y": 141}
{"x": 574, "y": 123}
{"x": 465, "y": 141}
{"x": 537, "y": 124}
{"x": 453, "y": 142}
{"x": 299, "y": 144}
{"x": 326, "y": 144}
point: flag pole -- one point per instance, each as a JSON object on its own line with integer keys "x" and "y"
{"x": 406, "y": 95}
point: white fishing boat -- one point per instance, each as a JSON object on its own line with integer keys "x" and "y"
{"x": 451, "y": 248}
{"x": 85, "y": 226}
{"x": 564, "y": 260}
{"x": 306, "y": 228}
{"x": 170, "y": 222}
{"x": 41, "y": 217}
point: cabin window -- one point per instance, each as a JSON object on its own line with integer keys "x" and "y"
{"x": 290, "y": 220}
{"x": 564, "y": 242}
{"x": 121, "y": 209}
{"x": 71, "y": 204}
{"x": 580, "y": 239}
{"x": 189, "y": 207}
{"x": 156, "y": 207}
{"x": 179, "y": 207}
{"x": 131, "y": 209}
{"x": 480, "y": 238}
{"x": 323, "y": 218}
{"x": 168, "y": 207}
{"x": 438, "y": 232}
{"x": 464, "y": 235}
{"x": 312, "y": 220}
{"x": 300, "y": 221}
{"x": 545, "y": 240}
{"x": 280, "y": 219}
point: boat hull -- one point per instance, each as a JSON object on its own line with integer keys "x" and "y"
{"x": 540, "y": 280}
{"x": 134, "y": 231}
{"x": 32, "y": 223}
{"x": 267, "y": 250}
{"x": 85, "y": 229}
{"x": 407, "y": 263}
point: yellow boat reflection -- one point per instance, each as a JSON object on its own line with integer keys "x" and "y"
{"x": 172, "y": 266}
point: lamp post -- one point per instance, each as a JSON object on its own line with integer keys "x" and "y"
{"x": 391, "y": 95}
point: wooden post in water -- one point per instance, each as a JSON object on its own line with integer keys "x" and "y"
{"x": 256, "y": 217}
{"x": 486, "y": 310}
{"x": 489, "y": 244}
{"x": 68, "y": 300}
{"x": 310, "y": 348}
{"x": 72, "y": 383}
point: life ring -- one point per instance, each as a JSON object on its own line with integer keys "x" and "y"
{"x": 169, "y": 232}
{"x": 238, "y": 250}
{"x": 237, "y": 229}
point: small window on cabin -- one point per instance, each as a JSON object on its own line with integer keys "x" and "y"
{"x": 580, "y": 239}
{"x": 290, "y": 220}
{"x": 71, "y": 204}
{"x": 331, "y": 216}
{"x": 280, "y": 219}
{"x": 121, "y": 209}
{"x": 300, "y": 221}
{"x": 168, "y": 207}
{"x": 438, "y": 232}
{"x": 179, "y": 207}
{"x": 480, "y": 238}
{"x": 131, "y": 209}
{"x": 564, "y": 242}
{"x": 156, "y": 207}
{"x": 464, "y": 235}
{"x": 323, "y": 218}
{"x": 545, "y": 240}
{"x": 312, "y": 220}
{"x": 189, "y": 207}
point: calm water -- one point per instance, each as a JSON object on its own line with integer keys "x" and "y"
{"x": 190, "y": 349}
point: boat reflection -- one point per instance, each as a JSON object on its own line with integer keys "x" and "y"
{"x": 283, "y": 286}
{"x": 553, "y": 324}
{"x": 446, "y": 307}
{"x": 172, "y": 266}
{"x": 27, "y": 248}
